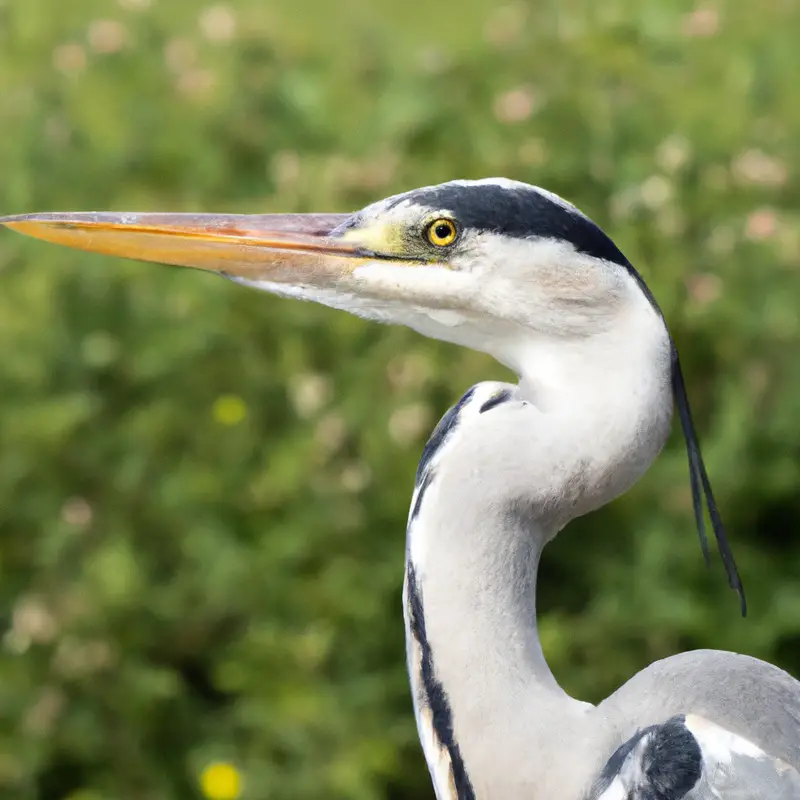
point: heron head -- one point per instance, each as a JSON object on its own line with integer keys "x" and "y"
{"x": 496, "y": 265}
{"x": 484, "y": 264}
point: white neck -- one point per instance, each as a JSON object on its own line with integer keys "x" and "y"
{"x": 476, "y": 596}
{"x": 503, "y": 484}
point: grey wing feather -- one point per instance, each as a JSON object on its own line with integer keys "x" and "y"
{"x": 736, "y": 769}
{"x": 690, "y": 758}
{"x": 749, "y": 778}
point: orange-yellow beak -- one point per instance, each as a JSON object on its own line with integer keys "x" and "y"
{"x": 280, "y": 248}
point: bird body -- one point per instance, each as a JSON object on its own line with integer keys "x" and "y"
{"x": 514, "y": 271}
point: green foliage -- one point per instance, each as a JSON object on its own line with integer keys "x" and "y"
{"x": 203, "y": 489}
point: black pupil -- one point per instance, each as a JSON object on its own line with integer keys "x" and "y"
{"x": 443, "y": 230}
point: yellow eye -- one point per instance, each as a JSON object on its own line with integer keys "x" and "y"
{"x": 441, "y": 232}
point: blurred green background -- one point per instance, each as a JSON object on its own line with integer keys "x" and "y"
{"x": 203, "y": 489}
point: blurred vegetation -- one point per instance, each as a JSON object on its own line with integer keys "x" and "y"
{"x": 203, "y": 489}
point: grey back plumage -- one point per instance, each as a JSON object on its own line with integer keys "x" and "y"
{"x": 748, "y": 697}
{"x": 741, "y": 716}
{"x": 690, "y": 758}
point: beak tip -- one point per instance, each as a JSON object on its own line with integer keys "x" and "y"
{"x": 19, "y": 222}
{"x": 27, "y": 225}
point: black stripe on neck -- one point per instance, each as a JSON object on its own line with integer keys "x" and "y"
{"x": 445, "y": 427}
{"x": 435, "y": 695}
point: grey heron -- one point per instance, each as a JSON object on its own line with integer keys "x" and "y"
{"x": 514, "y": 271}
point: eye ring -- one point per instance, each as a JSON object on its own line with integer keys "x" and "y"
{"x": 441, "y": 232}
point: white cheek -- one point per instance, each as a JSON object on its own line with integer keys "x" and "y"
{"x": 431, "y": 286}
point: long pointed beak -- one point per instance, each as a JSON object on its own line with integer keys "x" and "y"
{"x": 283, "y": 248}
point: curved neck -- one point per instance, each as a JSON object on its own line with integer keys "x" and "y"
{"x": 475, "y": 584}
{"x": 485, "y": 698}
{"x": 588, "y": 418}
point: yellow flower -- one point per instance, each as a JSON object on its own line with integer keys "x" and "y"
{"x": 229, "y": 409}
{"x": 221, "y": 781}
